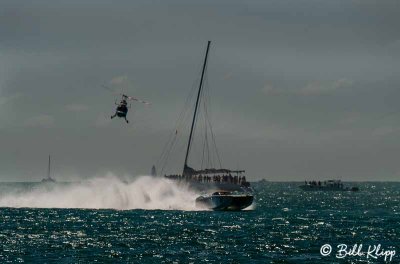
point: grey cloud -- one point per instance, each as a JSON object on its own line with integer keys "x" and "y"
{"x": 76, "y": 107}
{"x": 44, "y": 121}
{"x": 312, "y": 88}
{"x": 299, "y": 88}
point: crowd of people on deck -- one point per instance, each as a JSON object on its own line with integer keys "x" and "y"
{"x": 313, "y": 183}
{"x": 226, "y": 178}
{"x": 332, "y": 184}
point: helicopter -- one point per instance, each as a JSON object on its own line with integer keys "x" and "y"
{"x": 122, "y": 106}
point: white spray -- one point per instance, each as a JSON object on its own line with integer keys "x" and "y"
{"x": 105, "y": 192}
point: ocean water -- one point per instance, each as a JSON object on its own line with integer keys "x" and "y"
{"x": 153, "y": 221}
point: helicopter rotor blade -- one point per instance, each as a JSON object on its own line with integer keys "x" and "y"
{"x": 110, "y": 89}
{"x": 138, "y": 100}
{"x": 124, "y": 95}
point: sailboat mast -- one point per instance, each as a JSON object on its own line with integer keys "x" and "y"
{"x": 48, "y": 169}
{"x": 196, "y": 107}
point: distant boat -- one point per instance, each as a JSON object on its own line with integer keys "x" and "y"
{"x": 263, "y": 181}
{"x": 48, "y": 179}
{"x": 227, "y": 189}
{"x": 331, "y": 185}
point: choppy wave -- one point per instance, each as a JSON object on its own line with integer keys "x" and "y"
{"x": 107, "y": 192}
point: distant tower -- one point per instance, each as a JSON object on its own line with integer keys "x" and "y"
{"x": 153, "y": 171}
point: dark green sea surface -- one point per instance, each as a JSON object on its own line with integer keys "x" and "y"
{"x": 286, "y": 226}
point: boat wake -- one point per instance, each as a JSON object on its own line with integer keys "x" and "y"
{"x": 107, "y": 192}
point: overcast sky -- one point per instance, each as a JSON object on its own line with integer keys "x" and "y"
{"x": 300, "y": 89}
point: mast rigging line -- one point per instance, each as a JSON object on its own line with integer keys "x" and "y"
{"x": 208, "y": 120}
{"x": 184, "y": 114}
{"x": 200, "y": 112}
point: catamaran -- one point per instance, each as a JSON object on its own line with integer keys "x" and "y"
{"x": 222, "y": 189}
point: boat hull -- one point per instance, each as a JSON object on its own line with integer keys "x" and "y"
{"x": 224, "y": 202}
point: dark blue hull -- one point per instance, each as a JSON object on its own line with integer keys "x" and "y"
{"x": 224, "y": 202}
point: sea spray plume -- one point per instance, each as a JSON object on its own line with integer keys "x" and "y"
{"x": 107, "y": 192}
